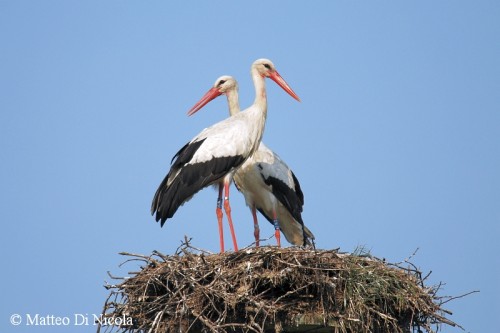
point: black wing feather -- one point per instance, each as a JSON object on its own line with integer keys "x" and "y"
{"x": 190, "y": 179}
{"x": 293, "y": 200}
{"x": 298, "y": 190}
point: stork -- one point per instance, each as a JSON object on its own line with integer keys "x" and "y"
{"x": 267, "y": 183}
{"x": 215, "y": 153}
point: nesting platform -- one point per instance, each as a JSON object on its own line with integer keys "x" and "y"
{"x": 271, "y": 289}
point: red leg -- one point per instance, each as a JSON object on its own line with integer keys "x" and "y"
{"x": 218, "y": 212}
{"x": 276, "y": 228}
{"x": 256, "y": 229}
{"x": 227, "y": 207}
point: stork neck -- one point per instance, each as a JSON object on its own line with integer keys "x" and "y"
{"x": 233, "y": 102}
{"x": 259, "y": 105}
{"x": 260, "y": 91}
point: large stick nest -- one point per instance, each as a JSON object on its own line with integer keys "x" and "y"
{"x": 271, "y": 289}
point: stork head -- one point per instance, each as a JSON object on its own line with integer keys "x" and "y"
{"x": 266, "y": 68}
{"x": 224, "y": 84}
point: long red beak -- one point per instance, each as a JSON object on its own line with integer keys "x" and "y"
{"x": 210, "y": 95}
{"x": 282, "y": 83}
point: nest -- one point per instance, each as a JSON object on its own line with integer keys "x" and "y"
{"x": 271, "y": 289}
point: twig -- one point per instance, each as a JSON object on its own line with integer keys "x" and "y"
{"x": 450, "y": 298}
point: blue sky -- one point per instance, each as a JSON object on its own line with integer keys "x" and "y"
{"x": 396, "y": 142}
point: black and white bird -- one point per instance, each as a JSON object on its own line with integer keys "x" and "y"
{"x": 213, "y": 155}
{"x": 267, "y": 183}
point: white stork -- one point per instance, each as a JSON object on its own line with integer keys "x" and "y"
{"x": 267, "y": 183}
{"x": 213, "y": 155}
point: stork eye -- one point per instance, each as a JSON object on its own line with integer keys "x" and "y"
{"x": 221, "y": 82}
{"x": 267, "y": 66}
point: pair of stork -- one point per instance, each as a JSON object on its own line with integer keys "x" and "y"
{"x": 232, "y": 150}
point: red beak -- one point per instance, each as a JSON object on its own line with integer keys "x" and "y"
{"x": 210, "y": 95}
{"x": 282, "y": 83}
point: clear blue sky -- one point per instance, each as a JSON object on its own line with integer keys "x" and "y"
{"x": 396, "y": 142}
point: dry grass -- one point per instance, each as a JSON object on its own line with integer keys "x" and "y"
{"x": 271, "y": 289}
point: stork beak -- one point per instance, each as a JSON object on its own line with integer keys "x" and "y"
{"x": 282, "y": 83}
{"x": 210, "y": 95}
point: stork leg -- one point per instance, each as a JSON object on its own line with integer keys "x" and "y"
{"x": 256, "y": 229}
{"x": 218, "y": 212}
{"x": 227, "y": 208}
{"x": 276, "y": 228}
